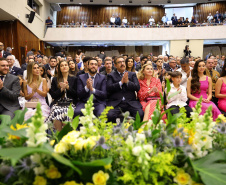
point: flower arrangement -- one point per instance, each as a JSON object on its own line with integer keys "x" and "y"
{"x": 181, "y": 151}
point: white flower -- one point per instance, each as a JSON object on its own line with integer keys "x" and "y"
{"x": 148, "y": 148}
{"x": 36, "y": 158}
{"x": 137, "y": 150}
{"x": 140, "y": 137}
{"x": 39, "y": 170}
{"x": 147, "y": 156}
{"x": 129, "y": 141}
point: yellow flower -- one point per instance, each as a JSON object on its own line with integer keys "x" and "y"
{"x": 79, "y": 144}
{"x": 52, "y": 142}
{"x": 126, "y": 125}
{"x": 107, "y": 167}
{"x": 100, "y": 178}
{"x": 71, "y": 137}
{"x": 61, "y": 148}
{"x": 39, "y": 180}
{"x": 52, "y": 172}
{"x": 140, "y": 130}
{"x": 72, "y": 183}
{"x": 182, "y": 178}
{"x": 18, "y": 127}
{"x": 89, "y": 183}
{"x": 89, "y": 143}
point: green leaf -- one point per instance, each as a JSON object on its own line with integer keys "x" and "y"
{"x": 173, "y": 94}
{"x": 136, "y": 123}
{"x": 75, "y": 122}
{"x": 156, "y": 116}
{"x": 162, "y": 99}
{"x": 5, "y": 120}
{"x": 212, "y": 168}
{"x": 20, "y": 118}
{"x": 100, "y": 162}
{"x": 20, "y": 133}
{"x": 67, "y": 128}
{"x": 70, "y": 112}
{"x": 168, "y": 86}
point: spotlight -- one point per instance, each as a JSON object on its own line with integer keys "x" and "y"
{"x": 110, "y": 1}
{"x": 130, "y": 1}
{"x": 149, "y": 1}
{"x": 91, "y": 1}
{"x": 168, "y": 1}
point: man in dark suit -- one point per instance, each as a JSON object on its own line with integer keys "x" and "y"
{"x": 51, "y": 67}
{"x": 91, "y": 83}
{"x": 217, "y": 17}
{"x": 108, "y": 67}
{"x": 24, "y": 66}
{"x": 85, "y": 64}
{"x": 2, "y": 52}
{"x": 9, "y": 90}
{"x": 13, "y": 70}
{"x": 171, "y": 66}
{"x": 174, "y": 19}
{"x": 121, "y": 86}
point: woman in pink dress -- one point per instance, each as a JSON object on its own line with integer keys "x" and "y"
{"x": 220, "y": 89}
{"x": 150, "y": 89}
{"x": 201, "y": 85}
{"x": 35, "y": 89}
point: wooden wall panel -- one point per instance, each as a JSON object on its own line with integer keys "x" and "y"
{"x": 98, "y": 14}
{"x": 201, "y": 11}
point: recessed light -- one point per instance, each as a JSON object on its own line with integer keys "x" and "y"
{"x": 79, "y": 3}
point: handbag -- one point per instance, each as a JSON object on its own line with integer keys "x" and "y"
{"x": 32, "y": 103}
{"x": 65, "y": 101}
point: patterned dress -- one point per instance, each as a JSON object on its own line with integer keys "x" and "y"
{"x": 222, "y": 101}
{"x": 45, "y": 108}
{"x": 204, "y": 87}
{"x": 152, "y": 97}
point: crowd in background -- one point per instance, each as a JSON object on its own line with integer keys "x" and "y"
{"x": 128, "y": 83}
{"x": 174, "y": 21}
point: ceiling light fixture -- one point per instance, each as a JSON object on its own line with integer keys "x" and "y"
{"x": 149, "y": 1}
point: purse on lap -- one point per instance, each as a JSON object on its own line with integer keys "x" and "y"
{"x": 32, "y": 103}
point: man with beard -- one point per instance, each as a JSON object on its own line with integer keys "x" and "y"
{"x": 122, "y": 87}
{"x": 9, "y": 90}
{"x": 91, "y": 83}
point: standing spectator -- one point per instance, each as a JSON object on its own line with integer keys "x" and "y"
{"x": 112, "y": 20}
{"x": 151, "y": 21}
{"x": 174, "y": 19}
{"x": 220, "y": 91}
{"x": 164, "y": 19}
{"x": 209, "y": 18}
{"x": 217, "y": 17}
{"x": 49, "y": 22}
{"x": 35, "y": 88}
{"x": 13, "y": 69}
{"x": 187, "y": 52}
{"x": 117, "y": 20}
{"x": 9, "y": 90}
{"x": 201, "y": 85}
{"x": 124, "y": 21}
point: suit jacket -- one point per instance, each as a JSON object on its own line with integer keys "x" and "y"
{"x": 24, "y": 66}
{"x": 116, "y": 93}
{"x": 16, "y": 71}
{"x": 99, "y": 86}
{"x": 168, "y": 68}
{"x": 71, "y": 93}
{"x": 214, "y": 77}
{"x": 10, "y": 92}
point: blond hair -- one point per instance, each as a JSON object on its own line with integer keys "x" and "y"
{"x": 141, "y": 72}
{"x": 30, "y": 74}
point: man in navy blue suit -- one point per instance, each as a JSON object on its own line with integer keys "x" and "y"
{"x": 121, "y": 87}
{"x": 13, "y": 69}
{"x": 91, "y": 83}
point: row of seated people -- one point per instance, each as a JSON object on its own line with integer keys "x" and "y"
{"x": 118, "y": 90}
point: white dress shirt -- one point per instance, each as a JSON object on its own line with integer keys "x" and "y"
{"x": 112, "y": 19}
{"x": 124, "y": 21}
{"x": 179, "y": 99}
{"x": 151, "y": 21}
{"x": 184, "y": 77}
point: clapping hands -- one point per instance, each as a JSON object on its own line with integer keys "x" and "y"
{"x": 89, "y": 84}
{"x": 125, "y": 78}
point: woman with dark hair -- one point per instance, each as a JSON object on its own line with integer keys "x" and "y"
{"x": 201, "y": 85}
{"x": 73, "y": 69}
{"x": 63, "y": 86}
{"x": 187, "y": 52}
{"x": 130, "y": 65}
{"x": 220, "y": 89}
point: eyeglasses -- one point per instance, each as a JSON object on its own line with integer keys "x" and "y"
{"x": 120, "y": 62}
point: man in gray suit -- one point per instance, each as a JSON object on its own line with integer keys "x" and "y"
{"x": 9, "y": 90}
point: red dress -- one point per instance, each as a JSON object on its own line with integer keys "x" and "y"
{"x": 154, "y": 96}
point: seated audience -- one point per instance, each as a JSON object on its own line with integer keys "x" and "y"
{"x": 73, "y": 69}
{"x": 185, "y": 71}
{"x": 201, "y": 85}
{"x": 85, "y": 70}
{"x": 35, "y": 89}
{"x": 143, "y": 60}
{"x": 91, "y": 83}
{"x": 220, "y": 90}
{"x": 150, "y": 89}
{"x": 13, "y": 69}
{"x": 180, "y": 99}
{"x": 130, "y": 64}
{"x": 121, "y": 86}
{"x": 100, "y": 61}
{"x": 9, "y": 90}
{"x": 172, "y": 65}
{"x": 108, "y": 67}
{"x": 192, "y": 64}
{"x": 51, "y": 67}
{"x": 161, "y": 71}
{"x": 63, "y": 86}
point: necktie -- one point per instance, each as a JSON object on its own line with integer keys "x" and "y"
{"x": 92, "y": 80}
{"x": 2, "y": 77}
{"x": 211, "y": 73}
{"x": 0, "y": 54}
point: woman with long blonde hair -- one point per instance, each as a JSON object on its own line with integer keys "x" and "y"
{"x": 35, "y": 89}
{"x": 150, "y": 90}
